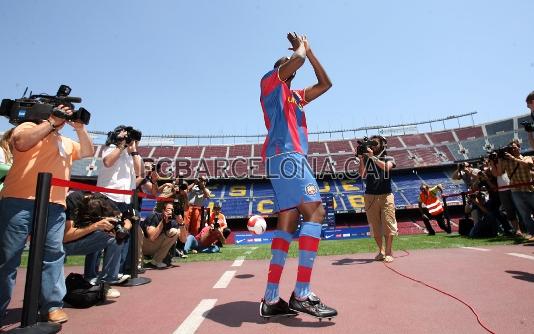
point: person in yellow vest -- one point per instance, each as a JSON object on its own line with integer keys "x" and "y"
{"x": 431, "y": 208}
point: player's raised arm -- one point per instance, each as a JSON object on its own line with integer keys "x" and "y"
{"x": 323, "y": 81}
{"x": 288, "y": 68}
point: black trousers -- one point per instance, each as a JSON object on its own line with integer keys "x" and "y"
{"x": 445, "y": 226}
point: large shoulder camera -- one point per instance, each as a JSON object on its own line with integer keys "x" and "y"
{"x": 37, "y": 108}
{"x": 131, "y": 135}
{"x": 499, "y": 153}
{"x": 364, "y": 144}
{"x": 529, "y": 126}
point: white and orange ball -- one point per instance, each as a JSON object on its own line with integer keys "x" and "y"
{"x": 256, "y": 224}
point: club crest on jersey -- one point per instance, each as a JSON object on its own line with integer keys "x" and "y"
{"x": 311, "y": 189}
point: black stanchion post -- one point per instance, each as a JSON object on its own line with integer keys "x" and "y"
{"x": 32, "y": 289}
{"x": 135, "y": 280}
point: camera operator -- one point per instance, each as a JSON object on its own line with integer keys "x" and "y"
{"x": 38, "y": 148}
{"x": 91, "y": 227}
{"x": 160, "y": 232}
{"x": 6, "y": 157}
{"x": 374, "y": 168}
{"x": 218, "y": 220}
{"x": 466, "y": 172}
{"x": 121, "y": 167}
{"x": 205, "y": 241}
{"x": 197, "y": 193}
{"x": 519, "y": 170}
{"x": 485, "y": 224}
{"x": 530, "y": 105}
{"x": 177, "y": 190}
{"x": 487, "y": 181}
{"x": 431, "y": 208}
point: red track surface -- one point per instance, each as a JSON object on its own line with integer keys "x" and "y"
{"x": 369, "y": 297}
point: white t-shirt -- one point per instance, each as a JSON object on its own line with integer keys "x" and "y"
{"x": 196, "y": 196}
{"x": 119, "y": 176}
{"x": 503, "y": 180}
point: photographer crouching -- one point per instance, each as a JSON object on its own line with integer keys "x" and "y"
{"x": 160, "y": 231}
{"x": 95, "y": 224}
{"x": 374, "y": 168}
{"x": 39, "y": 147}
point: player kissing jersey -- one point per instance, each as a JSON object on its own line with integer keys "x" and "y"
{"x": 284, "y": 117}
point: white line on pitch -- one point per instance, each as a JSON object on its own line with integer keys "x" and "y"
{"x": 224, "y": 280}
{"x": 193, "y": 321}
{"x": 524, "y": 256}
{"x": 248, "y": 252}
{"x": 238, "y": 261}
{"x": 476, "y": 248}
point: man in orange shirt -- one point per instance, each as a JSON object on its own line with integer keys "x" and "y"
{"x": 38, "y": 148}
{"x": 431, "y": 208}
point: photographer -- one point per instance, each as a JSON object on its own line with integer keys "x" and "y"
{"x": 121, "y": 167}
{"x": 205, "y": 241}
{"x": 6, "y": 157}
{"x": 431, "y": 208}
{"x": 519, "y": 170}
{"x": 177, "y": 190}
{"x": 38, "y": 148}
{"x": 91, "y": 227}
{"x": 505, "y": 195}
{"x": 530, "y": 105}
{"x": 197, "y": 194}
{"x": 485, "y": 224}
{"x": 160, "y": 232}
{"x": 218, "y": 220}
{"x": 374, "y": 168}
{"x": 466, "y": 172}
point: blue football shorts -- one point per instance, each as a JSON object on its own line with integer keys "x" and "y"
{"x": 292, "y": 179}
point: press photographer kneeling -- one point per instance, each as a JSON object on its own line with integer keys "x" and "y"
{"x": 160, "y": 232}
{"x": 94, "y": 224}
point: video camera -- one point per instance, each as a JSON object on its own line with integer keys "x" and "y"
{"x": 131, "y": 135}
{"x": 364, "y": 144}
{"x": 499, "y": 153}
{"x": 529, "y": 126}
{"x": 37, "y": 108}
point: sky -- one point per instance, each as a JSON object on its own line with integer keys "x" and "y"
{"x": 193, "y": 67}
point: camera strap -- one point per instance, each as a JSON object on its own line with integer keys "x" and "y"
{"x": 513, "y": 172}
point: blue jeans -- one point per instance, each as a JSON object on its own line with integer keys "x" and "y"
{"x": 95, "y": 242}
{"x": 15, "y": 226}
{"x": 192, "y": 243}
{"x": 524, "y": 202}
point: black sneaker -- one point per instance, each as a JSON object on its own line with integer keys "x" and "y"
{"x": 280, "y": 309}
{"x": 312, "y": 306}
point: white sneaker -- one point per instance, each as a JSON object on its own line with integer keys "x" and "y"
{"x": 159, "y": 265}
{"x": 113, "y": 293}
{"x": 120, "y": 279}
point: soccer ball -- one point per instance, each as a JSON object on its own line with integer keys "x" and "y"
{"x": 257, "y": 225}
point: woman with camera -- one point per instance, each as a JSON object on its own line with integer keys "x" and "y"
{"x": 374, "y": 168}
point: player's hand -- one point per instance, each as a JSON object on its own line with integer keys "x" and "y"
{"x": 369, "y": 152}
{"x": 304, "y": 40}
{"x": 295, "y": 41}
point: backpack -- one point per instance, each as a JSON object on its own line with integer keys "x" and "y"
{"x": 81, "y": 293}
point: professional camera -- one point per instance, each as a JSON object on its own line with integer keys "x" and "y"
{"x": 37, "y": 108}
{"x": 118, "y": 227}
{"x": 364, "y": 144}
{"x": 529, "y": 127}
{"x": 216, "y": 225}
{"x": 180, "y": 184}
{"x": 131, "y": 135}
{"x": 500, "y": 153}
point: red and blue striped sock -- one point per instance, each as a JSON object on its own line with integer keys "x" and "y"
{"x": 279, "y": 248}
{"x": 310, "y": 235}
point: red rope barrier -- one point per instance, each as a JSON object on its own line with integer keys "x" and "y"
{"x": 82, "y": 186}
{"x": 516, "y": 185}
